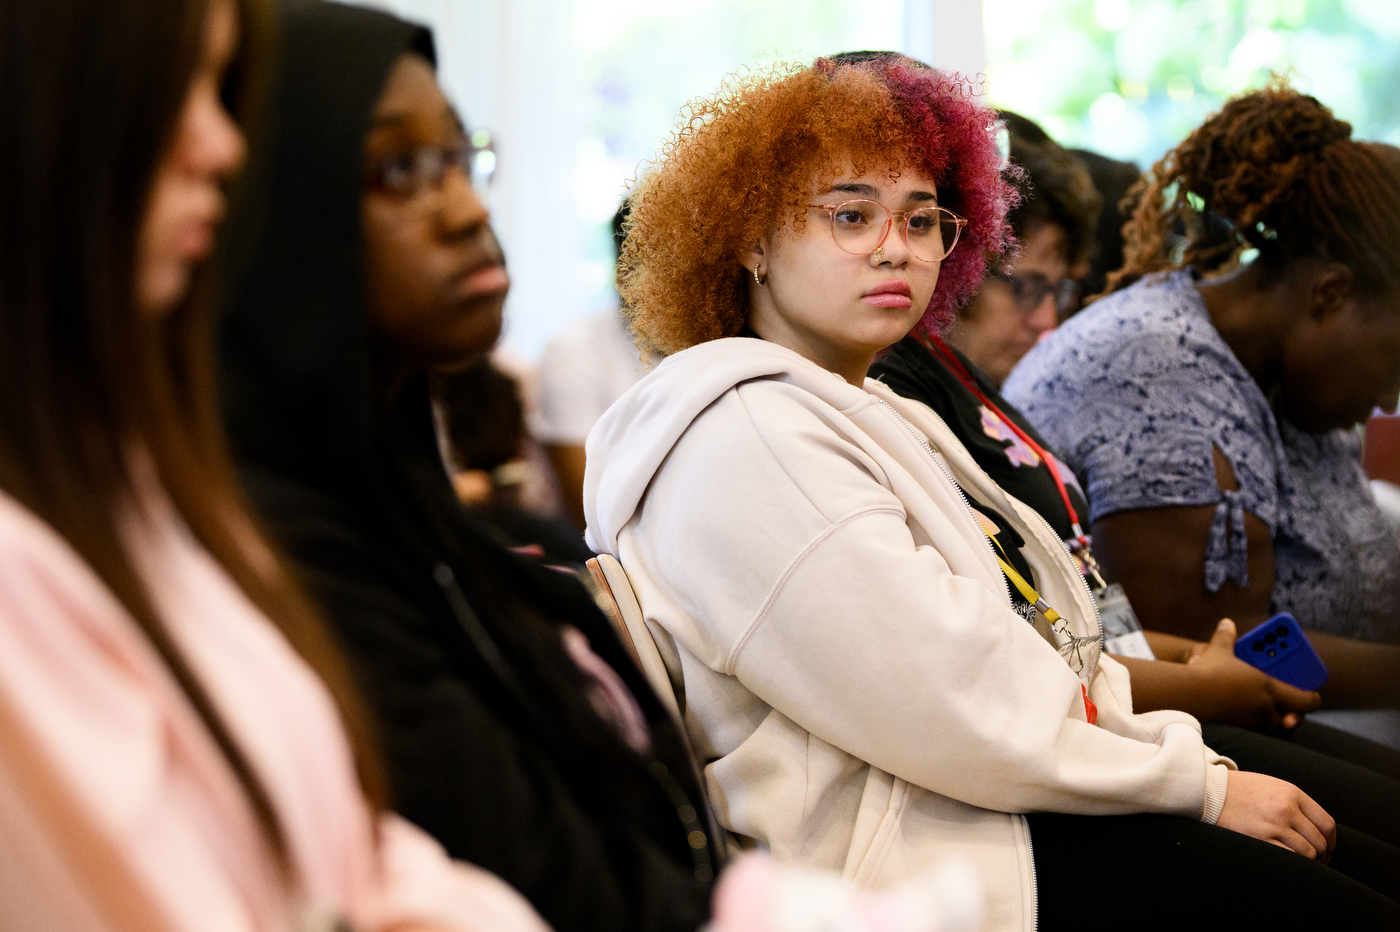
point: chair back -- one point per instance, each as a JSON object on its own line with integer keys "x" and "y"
{"x": 619, "y": 603}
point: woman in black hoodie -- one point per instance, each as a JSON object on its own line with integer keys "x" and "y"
{"x": 360, "y": 260}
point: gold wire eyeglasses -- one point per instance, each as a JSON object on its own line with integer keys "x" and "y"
{"x": 860, "y": 227}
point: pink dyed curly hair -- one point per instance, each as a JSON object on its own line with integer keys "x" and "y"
{"x": 741, "y": 163}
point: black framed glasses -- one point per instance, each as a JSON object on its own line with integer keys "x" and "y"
{"x": 410, "y": 172}
{"x": 1027, "y": 291}
{"x": 861, "y": 226}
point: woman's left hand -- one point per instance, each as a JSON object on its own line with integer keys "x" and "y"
{"x": 1238, "y": 693}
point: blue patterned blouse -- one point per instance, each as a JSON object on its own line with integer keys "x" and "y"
{"x": 1134, "y": 391}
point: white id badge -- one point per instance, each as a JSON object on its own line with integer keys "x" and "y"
{"x": 1122, "y": 632}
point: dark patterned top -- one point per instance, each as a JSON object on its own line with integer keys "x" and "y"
{"x": 1134, "y": 391}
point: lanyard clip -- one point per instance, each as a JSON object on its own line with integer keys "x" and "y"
{"x": 1092, "y": 566}
{"x": 1080, "y": 548}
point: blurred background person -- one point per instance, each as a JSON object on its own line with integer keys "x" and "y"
{"x": 481, "y": 418}
{"x": 173, "y": 752}
{"x": 515, "y": 728}
{"x": 1113, "y": 179}
{"x": 1054, "y": 221}
{"x": 586, "y": 367}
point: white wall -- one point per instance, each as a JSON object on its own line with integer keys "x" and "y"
{"x": 947, "y": 34}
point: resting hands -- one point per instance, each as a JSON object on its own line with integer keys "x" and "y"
{"x": 1272, "y": 810}
{"x": 1232, "y": 692}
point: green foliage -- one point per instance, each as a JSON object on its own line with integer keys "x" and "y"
{"x": 1130, "y": 78}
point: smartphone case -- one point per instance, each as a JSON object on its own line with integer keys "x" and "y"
{"x": 1280, "y": 649}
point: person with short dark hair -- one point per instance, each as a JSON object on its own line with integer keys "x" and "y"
{"x": 1113, "y": 179}
{"x": 1054, "y": 219}
{"x": 483, "y": 436}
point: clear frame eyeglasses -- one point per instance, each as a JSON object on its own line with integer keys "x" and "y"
{"x": 410, "y": 172}
{"x": 861, "y": 226}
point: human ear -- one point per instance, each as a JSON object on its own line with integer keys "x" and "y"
{"x": 751, "y": 255}
{"x": 1333, "y": 288}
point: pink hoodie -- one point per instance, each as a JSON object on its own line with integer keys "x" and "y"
{"x": 128, "y": 766}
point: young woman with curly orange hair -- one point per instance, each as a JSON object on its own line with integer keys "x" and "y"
{"x": 861, "y": 626}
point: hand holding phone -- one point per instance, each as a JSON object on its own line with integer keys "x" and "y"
{"x": 1279, "y": 648}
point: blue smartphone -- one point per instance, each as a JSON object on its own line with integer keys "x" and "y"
{"x": 1280, "y": 649}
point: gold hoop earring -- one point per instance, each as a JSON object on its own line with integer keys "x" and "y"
{"x": 756, "y": 280}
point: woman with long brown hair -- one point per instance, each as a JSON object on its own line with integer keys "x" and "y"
{"x": 171, "y": 756}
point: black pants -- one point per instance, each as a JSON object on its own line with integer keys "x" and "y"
{"x": 1365, "y": 798}
{"x": 1346, "y": 746}
{"x": 1155, "y": 872}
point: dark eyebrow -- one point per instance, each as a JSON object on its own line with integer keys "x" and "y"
{"x": 870, "y": 191}
{"x": 851, "y": 187}
{"x": 390, "y": 119}
{"x": 400, "y": 118}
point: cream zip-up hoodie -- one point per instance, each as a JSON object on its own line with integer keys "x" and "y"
{"x": 859, "y": 690}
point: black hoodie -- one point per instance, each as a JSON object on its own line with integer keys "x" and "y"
{"x": 491, "y": 741}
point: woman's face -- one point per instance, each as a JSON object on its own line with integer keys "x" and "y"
{"x": 993, "y": 330}
{"x": 1338, "y": 367}
{"x": 832, "y": 307}
{"x": 434, "y": 274}
{"x": 186, "y": 202}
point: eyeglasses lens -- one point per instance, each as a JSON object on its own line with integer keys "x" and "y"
{"x": 1066, "y": 295}
{"x": 412, "y": 172}
{"x": 858, "y": 227}
{"x": 1027, "y": 292}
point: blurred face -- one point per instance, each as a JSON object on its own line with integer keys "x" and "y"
{"x": 1339, "y": 366}
{"x": 835, "y": 308}
{"x": 995, "y": 329}
{"x": 435, "y": 277}
{"x": 186, "y": 202}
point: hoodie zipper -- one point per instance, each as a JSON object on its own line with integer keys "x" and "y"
{"x": 1006, "y": 585}
{"x": 1093, "y": 603}
{"x": 1035, "y": 884}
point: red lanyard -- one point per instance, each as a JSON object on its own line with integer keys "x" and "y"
{"x": 946, "y": 355}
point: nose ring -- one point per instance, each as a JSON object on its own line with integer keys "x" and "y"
{"x": 879, "y": 252}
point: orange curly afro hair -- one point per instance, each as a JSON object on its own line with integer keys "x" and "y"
{"x": 742, "y": 163}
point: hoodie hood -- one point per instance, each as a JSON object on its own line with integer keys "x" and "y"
{"x": 637, "y": 433}
{"x": 298, "y": 379}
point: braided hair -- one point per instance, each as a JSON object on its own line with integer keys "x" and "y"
{"x": 1279, "y": 174}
